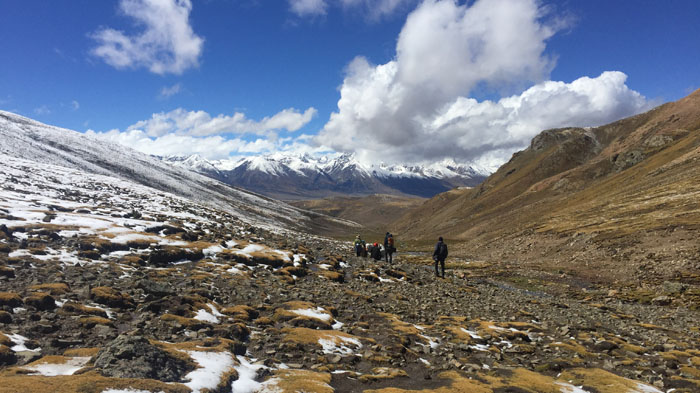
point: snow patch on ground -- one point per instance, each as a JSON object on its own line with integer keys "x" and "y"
{"x": 212, "y": 366}
{"x": 19, "y": 342}
{"x": 333, "y": 347}
{"x": 318, "y": 313}
{"x": 247, "y": 372}
{"x": 53, "y": 369}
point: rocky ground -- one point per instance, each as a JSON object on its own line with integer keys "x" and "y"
{"x": 109, "y": 287}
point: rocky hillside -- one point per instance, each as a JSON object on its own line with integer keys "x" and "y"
{"x": 613, "y": 202}
{"x": 23, "y": 138}
{"x": 111, "y": 286}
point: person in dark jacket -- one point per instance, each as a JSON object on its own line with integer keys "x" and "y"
{"x": 376, "y": 252}
{"x": 439, "y": 256}
{"x": 389, "y": 247}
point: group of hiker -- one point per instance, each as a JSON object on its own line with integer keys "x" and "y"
{"x": 375, "y": 250}
{"x": 387, "y": 250}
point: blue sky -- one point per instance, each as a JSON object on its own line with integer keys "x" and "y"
{"x": 391, "y": 80}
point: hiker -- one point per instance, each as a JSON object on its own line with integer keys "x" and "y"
{"x": 439, "y": 255}
{"x": 389, "y": 248}
{"x": 364, "y": 249}
{"x": 358, "y": 245}
{"x": 376, "y": 252}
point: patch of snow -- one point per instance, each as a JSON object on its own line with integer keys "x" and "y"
{"x": 128, "y": 391}
{"x": 318, "y": 313}
{"x": 19, "y": 342}
{"x": 204, "y": 315}
{"x": 427, "y": 363}
{"x": 644, "y": 388}
{"x": 247, "y": 372}
{"x": 324, "y": 266}
{"x": 471, "y": 333}
{"x": 337, "y": 325}
{"x": 480, "y": 347}
{"x": 214, "y": 311}
{"x": 569, "y": 388}
{"x": 330, "y": 346}
{"x": 53, "y": 369}
{"x": 212, "y": 366}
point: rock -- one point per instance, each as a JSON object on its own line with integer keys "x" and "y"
{"x": 5, "y": 317}
{"x": 169, "y": 254}
{"x": 156, "y": 288}
{"x": 661, "y": 301}
{"x": 605, "y": 346}
{"x": 7, "y": 356}
{"x": 111, "y": 297}
{"x": 7, "y": 272}
{"x": 10, "y": 299}
{"x": 41, "y": 301}
{"x": 24, "y": 357}
{"x": 135, "y": 357}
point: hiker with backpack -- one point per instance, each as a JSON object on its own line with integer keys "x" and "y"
{"x": 389, "y": 249}
{"x": 358, "y": 246}
{"x": 439, "y": 256}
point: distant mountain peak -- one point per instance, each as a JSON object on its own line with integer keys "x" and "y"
{"x": 290, "y": 175}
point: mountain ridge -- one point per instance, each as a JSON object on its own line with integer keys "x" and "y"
{"x": 29, "y": 139}
{"x": 294, "y": 176}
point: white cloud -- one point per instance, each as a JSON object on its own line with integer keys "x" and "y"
{"x": 75, "y": 105}
{"x": 42, "y": 110}
{"x": 169, "y": 91}
{"x": 308, "y": 7}
{"x": 377, "y": 9}
{"x": 415, "y": 107}
{"x": 212, "y": 147}
{"x": 181, "y": 132}
{"x": 200, "y": 123}
{"x": 166, "y": 44}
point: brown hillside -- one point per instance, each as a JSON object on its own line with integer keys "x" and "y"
{"x": 622, "y": 186}
{"x": 374, "y": 212}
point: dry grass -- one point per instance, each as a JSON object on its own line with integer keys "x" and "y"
{"x": 81, "y": 352}
{"x": 54, "y": 289}
{"x": 90, "y": 382}
{"x": 292, "y": 381}
{"x": 75, "y": 308}
{"x": 10, "y": 299}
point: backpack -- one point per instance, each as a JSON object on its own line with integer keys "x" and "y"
{"x": 390, "y": 241}
{"x": 443, "y": 251}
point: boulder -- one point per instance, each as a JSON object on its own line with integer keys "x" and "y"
{"x": 136, "y": 357}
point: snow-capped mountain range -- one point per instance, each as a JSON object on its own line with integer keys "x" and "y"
{"x": 292, "y": 176}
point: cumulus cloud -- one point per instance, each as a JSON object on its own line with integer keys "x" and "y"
{"x": 308, "y": 7}
{"x": 169, "y": 91}
{"x": 75, "y": 105}
{"x": 181, "y": 132}
{"x": 377, "y": 9}
{"x": 201, "y": 123}
{"x": 416, "y": 107}
{"x": 212, "y": 147}
{"x": 166, "y": 44}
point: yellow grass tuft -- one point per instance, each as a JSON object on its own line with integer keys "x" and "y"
{"x": 55, "y": 289}
{"x": 81, "y": 352}
{"x": 91, "y": 322}
{"x": 292, "y": 381}
{"x": 10, "y": 299}
{"x": 90, "y": 382}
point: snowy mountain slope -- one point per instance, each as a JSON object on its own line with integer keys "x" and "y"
{"x": 24, "y": 138}
{"x": 299, "y": 176}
